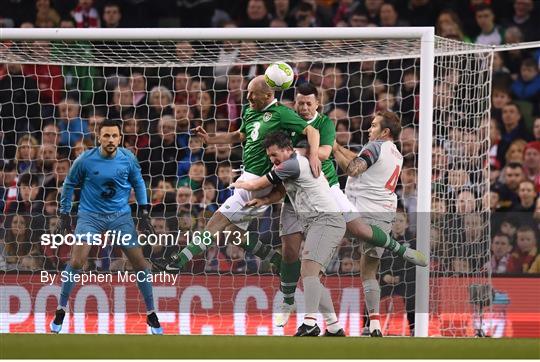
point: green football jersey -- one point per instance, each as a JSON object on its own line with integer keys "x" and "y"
{"x": 327, "y": 132}
{"x": 256, "y": 125}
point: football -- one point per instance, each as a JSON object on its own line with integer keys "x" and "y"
{"x": 279, "y": 76}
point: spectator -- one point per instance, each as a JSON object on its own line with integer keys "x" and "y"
{"x": 373, "y": 8}
{"x": 160, "y": 101}
{"x": 196, "y": 176}
{"x": 30, "y": 203}
{"x": 137, "y": 83}
{"x": 112, "y": 15}
{"x": 181, "y": 81}
{"x": 527, "y": 202}
{"x": 525, "y": 252}
{"x": 490, "y": 33}
{"x": 531, "y": 163}
{"x": 398, "y": 276}
{"x": 523, "y": 19}
{"x": 501, "y": 77}
{"x": 282, "y": 11}
{"x": 358, "y": 18}
{"x": 131, "y": 134}
{"x": 408, "y": 140}
{"x": 94, "y": 119}
{"x": 501, "y": 247}
{"x": 161, "y": 158}
{"x": 304, "y": 16}
{"x": 183, "y": 199}
{"x": 72, "y": 127}
{"x": 465, "y": 202}
{"x": 408, "y": 193}
{"x": 449, "y": 26}
{"x": 56, "y": 179}
{"x": 85, "y": 15}
{"x": 515, "y": 151}
{"x": 513, "y": 58}
{"x": 122, "y": 102}
{"x": 224, "y": 179}
{"x": 49, "y": 77}
{"x": 513, "y": 127}
{"x": 46, "y": 16}
{"x": 230, "y": 106}
{"x": 20, "y": 110}
{"x": 160, "y": 189}
{"x": 389, "y": 16}
{"x": 47, "y": 157}
{"x": 500, "y": 97}
{"x": 536, "y": 128}
{"x": 16, "y": 242}
{"x": 509, "y": 228}
{"x": 8, "y": 176}
{"x": 513, "y": 174}
{"x": 494, "y": 140}
{"x": 527, "y": 86}
{"x": 55, "y": 258}
{"x": 194, "y": 153}
{"x": 26, "y": 158}
{"x": 257, "y": 15}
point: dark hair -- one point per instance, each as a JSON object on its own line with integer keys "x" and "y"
{"x": 501, "y": 235}
{"x": 110, "y": 123}
{"x": 278, "y": 138}
{"x": 482, "y": 7}
{"x": 27, "y": 179}
{"x": 391, "y": 121}
{"x": 305, "y": 7}
{"x": 112, "y": 4}
{"x": 306, "y": 89}
{"x": 529, "y": 63}
{"x": 514, "y": 104}
{"x": 525, "y": 228}
{"x": 514, "y": 165}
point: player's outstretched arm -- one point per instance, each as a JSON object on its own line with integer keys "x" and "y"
{"x": 273, "y": 197}
{"x": 219, "y": 138}
{"x": 343, "y": 156}
{"x": 252, "y": 185}
{"x": 313, "y": 139}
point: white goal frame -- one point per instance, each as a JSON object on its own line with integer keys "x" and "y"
{"x": 426, "y": 35}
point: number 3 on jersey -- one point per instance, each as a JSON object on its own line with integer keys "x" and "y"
{"x": 255, "y": 131}
{"x": 393, "y": 180}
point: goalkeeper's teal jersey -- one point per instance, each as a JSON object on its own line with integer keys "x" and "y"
{"x": 105, "y": 182}
{"x": 256, "y": 125}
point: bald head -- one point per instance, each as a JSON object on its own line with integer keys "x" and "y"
{"x": 260, "y": 94}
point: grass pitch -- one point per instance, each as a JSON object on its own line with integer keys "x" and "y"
{"x": 143, "y": 346}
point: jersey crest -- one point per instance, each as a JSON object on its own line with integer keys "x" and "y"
{"x": 267, "y": 116}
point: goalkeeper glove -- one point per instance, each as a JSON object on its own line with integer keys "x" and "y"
{"x": 64, "y": 224}
{"x": 143, "y": 215}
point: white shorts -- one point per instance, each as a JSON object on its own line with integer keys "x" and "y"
{"x": 383, "y": 218}
{"x": 234, "y": 208}
{"x": 290, "y": 223}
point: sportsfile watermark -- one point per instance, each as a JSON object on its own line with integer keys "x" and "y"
{"x": 123, "y": 239}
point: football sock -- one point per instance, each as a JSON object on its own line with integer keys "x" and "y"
{"x": 263, "y": 251}
{"x": 372, "y": 293}
{"x": 382, "y": 239}
{"x": 289, "y": 274}
{"x": 189, "y": 252}
{"x": 312, "y": 293}
{"x": 67, "y": 285}
{"x": 326, "y": 307}
{"x": 145, "y": 287}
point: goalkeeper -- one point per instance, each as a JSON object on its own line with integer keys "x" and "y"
{"x": 263, "y": 116}
{"x": 106, "y": 176}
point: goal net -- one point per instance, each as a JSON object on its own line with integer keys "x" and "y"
{"x": 55, "y": 92}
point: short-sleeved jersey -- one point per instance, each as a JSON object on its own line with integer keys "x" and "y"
{"x": 105, "y": 182}
{"x": 327, "y": 132}
{"x": 256, "y": 125}
{"x": 378, "y": 182}
{"x": 309, "y": 196}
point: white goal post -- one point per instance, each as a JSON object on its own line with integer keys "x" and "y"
{"x": 419, "y": 43}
